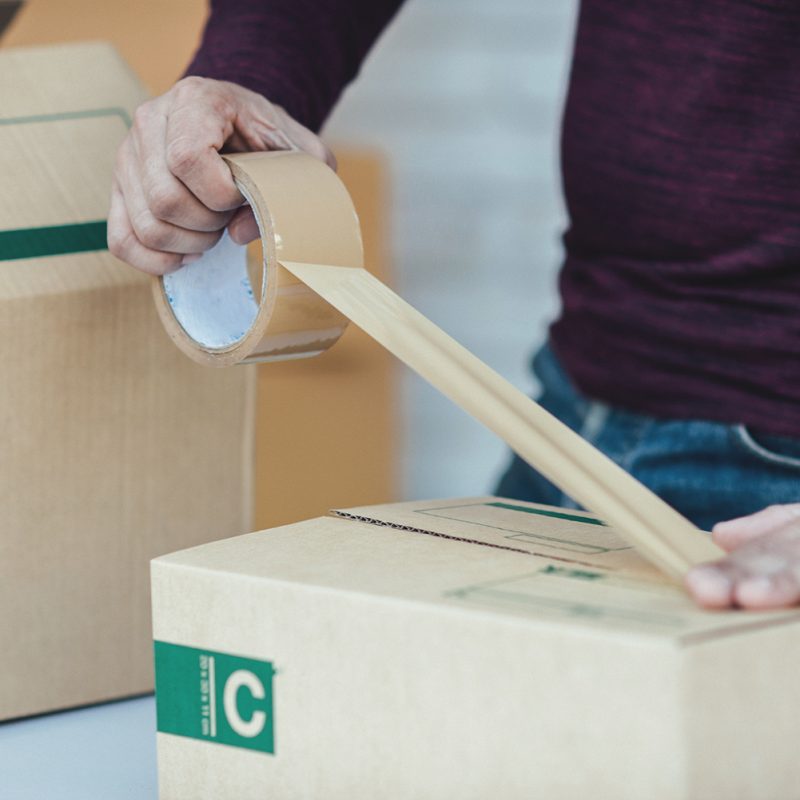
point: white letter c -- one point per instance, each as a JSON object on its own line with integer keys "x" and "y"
{"x": 246, "y": 728}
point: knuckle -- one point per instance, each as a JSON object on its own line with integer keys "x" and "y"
{"x": 190, "y": 84}
{"x": 215, "y": 96}
{"x": 151, "y": 232}
{"x": 116, "y": 241}
{"x": 220, "y": 105}
{"x": 142, "y": 115}
{"x": 192, "y": 89}
{"x": 186, "y": 89}
{"x": 182, "y": 155}
{"x": 164, "y": 202}
{"x": 120, "y": 245}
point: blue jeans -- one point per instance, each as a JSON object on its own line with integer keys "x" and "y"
{"x": 708, "y": 471}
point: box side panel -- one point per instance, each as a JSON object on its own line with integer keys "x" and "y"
{"x": 65, "y": 78}
{"x": 115, "y": 449}
{"x": 63, "y": 114}
{"x": 741, "y": 701}
{"x": 156, "y": 38}
{"x": 375, "y": 698}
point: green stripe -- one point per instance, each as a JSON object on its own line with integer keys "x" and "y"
{"x": 55, "y": 240}
{"x": 66, "y": 115}
{"x": 545, "y": 513}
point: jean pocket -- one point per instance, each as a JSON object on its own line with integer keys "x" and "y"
{"x": 769, "y": 449}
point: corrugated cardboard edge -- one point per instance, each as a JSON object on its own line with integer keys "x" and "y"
{"x": 396, "y": 526}
{"x": 361, "y": 514}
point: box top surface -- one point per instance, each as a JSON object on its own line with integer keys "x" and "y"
{"x": 528, "y": 562}
{"x": 64, "y": 110}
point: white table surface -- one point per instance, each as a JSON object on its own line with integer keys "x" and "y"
{"x": 103, "y": 752}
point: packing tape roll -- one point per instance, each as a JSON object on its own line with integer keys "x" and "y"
{"x": 313, "y": 282}
{"x": 211, "y": 308}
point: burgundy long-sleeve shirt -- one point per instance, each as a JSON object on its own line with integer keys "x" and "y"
{"x": 680, "y": 286}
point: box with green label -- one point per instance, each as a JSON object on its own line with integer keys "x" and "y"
{"x": 467, "y": 648}
{"x": 115, "y": 448}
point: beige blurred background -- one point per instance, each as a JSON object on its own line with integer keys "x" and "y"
{"x": 465, "y": 99}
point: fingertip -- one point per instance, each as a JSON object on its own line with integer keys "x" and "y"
{"x": 762, "y": 592}
{"x": 710, "y": 587}
{"x": 164, "y": 266}
{"x": 754, "y": 592}
{"x": 243, "y": 228}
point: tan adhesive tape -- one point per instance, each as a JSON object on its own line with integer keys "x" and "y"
{"x": 216, "y": 313}
{"x": 313, "y": 282}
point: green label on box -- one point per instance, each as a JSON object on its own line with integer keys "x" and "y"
{"x": 214, "y": 697}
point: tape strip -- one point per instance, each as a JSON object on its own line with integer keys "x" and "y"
{"x": 311, "y": 246}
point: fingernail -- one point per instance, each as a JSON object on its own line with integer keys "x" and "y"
{"x": 191, "y": 258}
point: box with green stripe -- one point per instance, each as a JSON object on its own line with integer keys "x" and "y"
{"x": 474, "y": 648}
{"x": 112, "y": 441}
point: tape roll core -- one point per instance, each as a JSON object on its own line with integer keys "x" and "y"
{"x": 210, "y": 308}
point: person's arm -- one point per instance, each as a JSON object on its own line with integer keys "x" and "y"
{"x": 762, "y": 569}
{"x": 262, "y": 66}
{"x": 300, "y": 54}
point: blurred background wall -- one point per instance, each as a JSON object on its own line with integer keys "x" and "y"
{"x": 464, "y": 97}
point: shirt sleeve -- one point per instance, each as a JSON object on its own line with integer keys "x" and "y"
{"x": 300, "y": 54}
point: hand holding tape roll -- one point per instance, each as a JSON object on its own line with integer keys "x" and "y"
{"x": 313, "y": 282}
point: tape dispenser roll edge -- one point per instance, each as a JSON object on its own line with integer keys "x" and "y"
{"x": 210, "y": 308}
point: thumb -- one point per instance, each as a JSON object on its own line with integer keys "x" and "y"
{"x": 732, "y": 533}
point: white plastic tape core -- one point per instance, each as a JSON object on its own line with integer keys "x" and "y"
{"x": 212, "y": 298}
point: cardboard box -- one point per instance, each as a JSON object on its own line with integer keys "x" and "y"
{"x": 345, "y": 452}
{"x": 115, "y": 447}
{"x": 461, "y": 648}
{"x": 156, "y": 37}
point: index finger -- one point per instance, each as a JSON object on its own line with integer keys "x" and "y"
{"x": 194, "y": 138}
